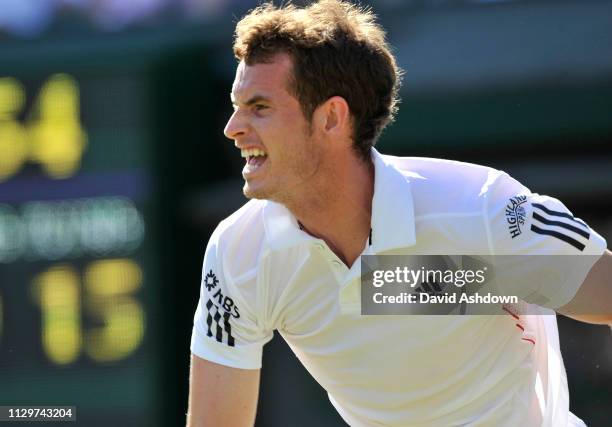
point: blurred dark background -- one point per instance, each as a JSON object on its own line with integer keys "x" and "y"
{"x": 114, "y": 171}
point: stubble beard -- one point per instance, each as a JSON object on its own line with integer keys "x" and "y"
{"x": 304, "y": 175}
{"x": 279, "y": 191}
{"x": 261, "y": 194}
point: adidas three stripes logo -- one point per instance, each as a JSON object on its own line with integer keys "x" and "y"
{"x": 559, "y": 225}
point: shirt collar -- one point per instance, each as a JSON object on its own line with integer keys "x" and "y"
{"x": 392, "y": 207}
{"x": 392, "y": 213}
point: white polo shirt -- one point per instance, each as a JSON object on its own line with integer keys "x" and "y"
{"x": 263, "y": 273}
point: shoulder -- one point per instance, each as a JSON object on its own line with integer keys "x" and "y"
{"x": 441, "y": 186}
{"x": 249, "y": 216}
{"x": 239, "y": 239}
{"x": 433, "y": 168}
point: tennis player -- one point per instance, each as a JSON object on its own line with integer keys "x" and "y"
{"x": 314, "y": 88}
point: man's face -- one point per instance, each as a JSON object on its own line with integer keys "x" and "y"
{"x": 272, "y": 133}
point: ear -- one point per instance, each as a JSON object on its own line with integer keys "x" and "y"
{"x": 333, "y": 116}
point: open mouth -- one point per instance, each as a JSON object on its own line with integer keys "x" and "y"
{"x": 255, "y": 158}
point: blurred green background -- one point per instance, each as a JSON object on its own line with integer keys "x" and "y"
{"x": 114, "y": 171}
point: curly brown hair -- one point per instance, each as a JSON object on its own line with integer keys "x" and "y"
{"x": 338, "y": 49}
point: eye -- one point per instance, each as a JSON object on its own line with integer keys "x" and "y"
{"x": 259, "y": 107}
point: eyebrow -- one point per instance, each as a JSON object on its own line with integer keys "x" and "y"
{"x": 253, "y": 100}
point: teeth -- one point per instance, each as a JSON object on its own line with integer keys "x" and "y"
{"x": 252, "y": 152}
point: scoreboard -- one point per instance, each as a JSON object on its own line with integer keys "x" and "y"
{"x": 103, "y": 143}
{"x": 83, "y": 318}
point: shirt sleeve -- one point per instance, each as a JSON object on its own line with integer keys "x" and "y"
{"x": 225, "y": 329}
{"x": 541, "y": 250}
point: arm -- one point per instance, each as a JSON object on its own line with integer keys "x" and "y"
{"x": 593, "y": 302}
{"x": 572, "y": 271}
{"x": 220, "y": 395}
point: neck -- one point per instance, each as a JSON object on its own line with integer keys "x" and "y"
{"x": 338, "y": 206}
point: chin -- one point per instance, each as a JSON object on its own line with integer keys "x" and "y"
{"x": 260, "y": 193}
{"x": 254, "y": 193}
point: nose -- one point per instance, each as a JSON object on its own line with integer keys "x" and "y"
{"x": 236, "y": 126}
